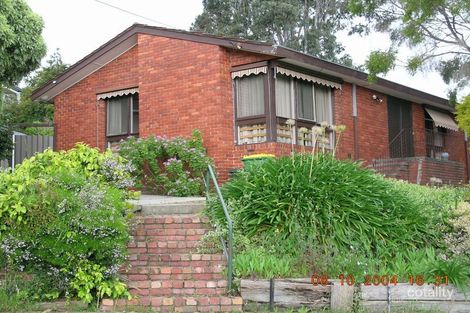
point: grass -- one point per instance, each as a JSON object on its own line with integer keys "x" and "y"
{"x": 14, "y": 303}
{"x": 19, "y": 301}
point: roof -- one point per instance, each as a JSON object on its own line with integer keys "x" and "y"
{"x": 128, "y": 39}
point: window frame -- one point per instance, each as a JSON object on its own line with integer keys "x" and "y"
{"x": 296, "y": 103}
{"x": 435, "y": 132}
{"x": 270, "y": 118}
{"x": 254, "y": 119}
{"x": 130, "y": 112}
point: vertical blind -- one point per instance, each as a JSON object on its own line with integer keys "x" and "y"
{"x": 118, "y": 116}
{"x": 304, "y": 97}
{"x": 323, "y": 104}
{"x": 250, "y": 95}
{"x": 283, "y": 97}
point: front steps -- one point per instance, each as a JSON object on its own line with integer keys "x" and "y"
{"x": 165, "y": 272}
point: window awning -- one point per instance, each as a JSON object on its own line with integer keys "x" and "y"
{"x": 309, "y": 78}
{"x": 117, "y": 93}
{"x": 250, "y": 71}
{"x": 442, "y": 120}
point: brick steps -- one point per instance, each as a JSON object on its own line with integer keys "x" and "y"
{"x": 145, "y": 262}
{"x": 177, "y": 267}
{"x": 165, "y": 273}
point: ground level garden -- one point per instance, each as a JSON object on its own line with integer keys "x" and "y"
{"x": 64, "y": 216}
{"x": 311, "y": 214}
{"x": 64, "y": 219}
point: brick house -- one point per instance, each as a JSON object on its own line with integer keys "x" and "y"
{"x": 239, "y": 94}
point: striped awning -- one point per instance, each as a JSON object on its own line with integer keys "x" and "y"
{"x": 117, "y": 93}
{"x": 307, "y": 77}
{"x": 250, "y": 71}
{"x": 442, "y": 120}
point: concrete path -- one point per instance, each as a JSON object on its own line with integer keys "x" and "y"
{"x": 155, "y": 205}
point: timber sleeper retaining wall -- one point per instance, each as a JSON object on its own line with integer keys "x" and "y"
{"x": 294, "y": 293}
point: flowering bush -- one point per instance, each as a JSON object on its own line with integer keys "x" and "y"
{"x": 15, "y": 195}
{"x": 63, "y": 219}
{"x": 174, "y": 167}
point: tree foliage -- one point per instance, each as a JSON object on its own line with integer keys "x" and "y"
{"x": 438, "y": 31}
{"x": 28, "y": 110}
{"x": 21, "y": 44}
{"x": 6, "y": 142}
{"x": 463, "y": 114}
{"x": 305, "y": 25}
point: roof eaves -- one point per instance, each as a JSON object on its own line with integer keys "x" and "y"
{"x": 347, "y": 73}
{"x": 232, "y": 43}
{"x": 354, "y": 74}
{"x": 37, "y": 93}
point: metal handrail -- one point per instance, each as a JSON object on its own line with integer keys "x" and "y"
{"x": 229, "y": 249}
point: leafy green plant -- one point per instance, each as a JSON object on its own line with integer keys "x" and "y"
{"x": 89, "y": 282}
{"x": 339, "y": 203}
{"x": 257, "y": 263}
{"x": 64, "y": 220}
{"x": 324, "y": 216}
{"x": 457, "y": 270}
{"x": 174, "y": 167}
{"x": 16, "y": 189}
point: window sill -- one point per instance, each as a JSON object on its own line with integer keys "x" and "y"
{"x": 115, "y": 138}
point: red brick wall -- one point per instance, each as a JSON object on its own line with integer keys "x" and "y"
{"x": 242, "y": 57}
{"x": 75, "y": 109}
{"x": 185, "y": 85}
{"x": 373, "y": 125}
{"x": 419, "y": 134}
{"x": 423, "y": 169}
{"x": 448, "y": 171}
{"x": 343, "y": 114}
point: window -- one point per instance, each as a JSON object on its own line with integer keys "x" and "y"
{"x": 313, "y": 102}
{"x": 305, "y": 101}
{"x": 250, "y": 95}
{"x": 435, "y": 137}
{"x": 122, "y": 115}
{"x": 312, "y": 106}
{"x": 284, "y": 97}
{"x": 298, "y": 96}
{"x": 323, "y": 104}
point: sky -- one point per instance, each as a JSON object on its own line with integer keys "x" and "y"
{"x": 77, "y": 27}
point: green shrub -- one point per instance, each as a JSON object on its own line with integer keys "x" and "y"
{"x": 339, "y": 203}
{"x": 64, "y": 221}
{"x": 257, "y": 263}
{"x": 174, "y": 167}
{"x": 16, "y": 194}
{"x": 457, "y": 236}
{"x": 429, "y": 198}
{"x": 320, "y": 215}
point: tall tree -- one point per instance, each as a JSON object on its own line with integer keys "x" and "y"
{"x": 306, "y": 25}
{"x": 21, "y": 44}
{"x": 437, "y": 31}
